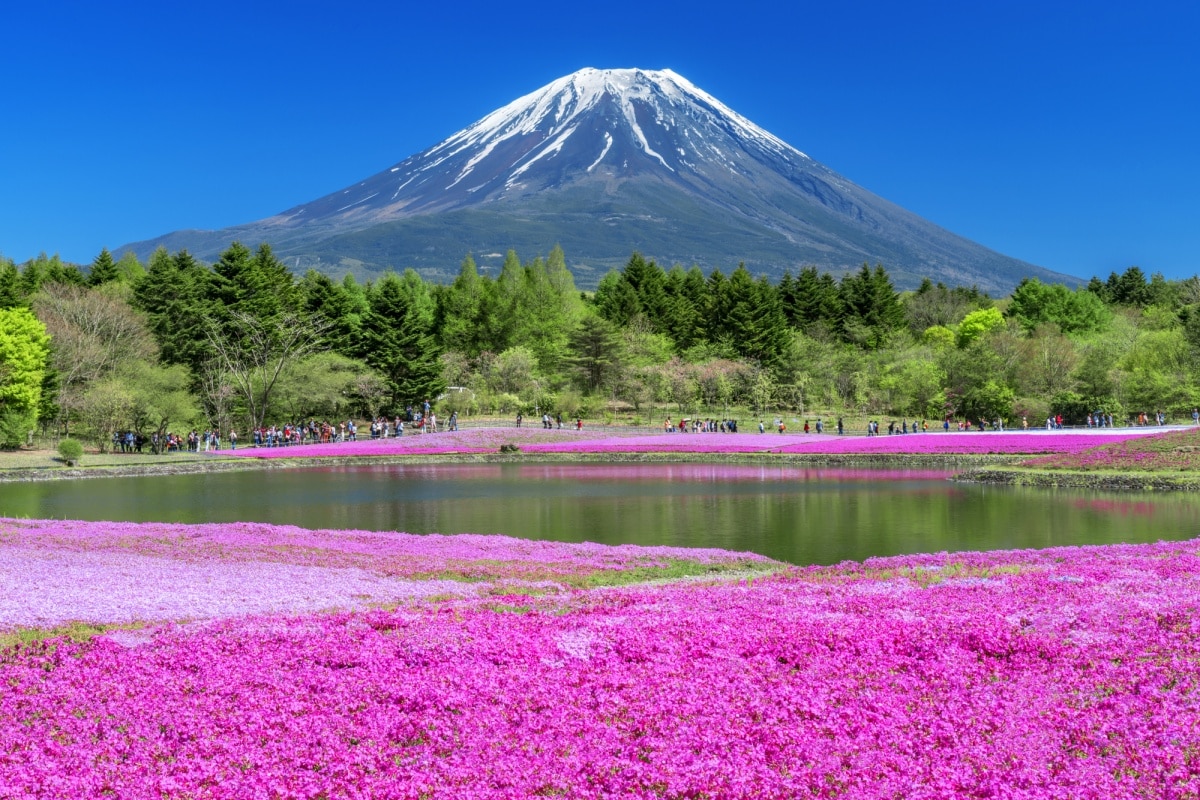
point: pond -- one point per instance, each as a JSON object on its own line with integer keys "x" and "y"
{"x": 799, "y": 515}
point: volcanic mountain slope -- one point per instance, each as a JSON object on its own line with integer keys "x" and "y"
{"x": 606, "y": 162}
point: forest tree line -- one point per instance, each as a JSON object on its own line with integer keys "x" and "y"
{"x": 175, "y": 344}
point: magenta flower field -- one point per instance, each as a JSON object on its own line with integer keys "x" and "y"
{"x": 616, "y": 441}
{"x": 960, "y": 443}
{"x": 1064, "y": 673}
{"x": 56, "y": 572}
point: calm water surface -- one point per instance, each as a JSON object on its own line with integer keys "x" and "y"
{"x": 798, "y": 515}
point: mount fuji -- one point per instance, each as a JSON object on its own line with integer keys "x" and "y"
{"x": 605, "y": 163}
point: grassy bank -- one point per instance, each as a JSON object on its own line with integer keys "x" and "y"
{"x": 1160, "y": 462}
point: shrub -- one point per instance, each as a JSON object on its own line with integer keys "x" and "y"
{"x": 71, "y": 451}
{"x": 15, "y": 427}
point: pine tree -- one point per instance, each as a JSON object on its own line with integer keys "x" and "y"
{"x": 253, "y": 283}
{"x": 596, "y": 351}
{"x": 104, "y": 269}
{"x": 11, "y": 295}
{"x": 616, "y": 300}
{"x": 397, "y": 338}
{"x": 460, "y": 308}
{"x": 812, "y": 301}
{"x": 274, "y": 284}
{"x": 58, "y": 271}
{"x": 547, "y": 311}
{"x": 506, "y": 302}
{"x": 871, "y": 309}
{"x": 33, "y": 274}
{"x": 715, "y": 308}
{"x": 330, "y": 303}
{"x": 683, "y": 320}
{"x": 176, "y": 295}
{"x": 648, "y": 282}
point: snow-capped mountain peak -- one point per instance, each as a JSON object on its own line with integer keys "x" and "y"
{"x": 615, "y": 122}
{"x": 606, "y": 162}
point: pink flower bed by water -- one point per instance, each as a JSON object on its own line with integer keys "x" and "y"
{"x": 658, "y": 443}
{"x": 53, "y": 572}
{"x": 1068, "y": 673}
{"x": 958, "y": 443}
{"x": 474, "y": 440}
{"x": 825, "y": 444}
{"x": 615, "y": 441}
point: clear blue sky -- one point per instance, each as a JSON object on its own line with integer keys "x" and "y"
{"x": 1064, "y": 134}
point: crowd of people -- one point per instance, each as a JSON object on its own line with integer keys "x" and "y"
{"x": 421, "y": 419}
{"x": 686, "y": 425}
{"x": 549, "y": 422}
{"x": 314, "y": 432}
{"x": 169, "y": 442}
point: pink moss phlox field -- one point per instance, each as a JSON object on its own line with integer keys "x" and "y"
{"x": 473, "y": 440}
{"x": 657, "y": 443}
{"x": 614, "y": 441}
{"x": 958, "y": 443}
{"x": 1069, "y": 673}
{"x": 55, "y": 571}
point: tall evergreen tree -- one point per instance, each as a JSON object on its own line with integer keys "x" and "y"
{"x": 648, "y": 280}
{"x": 11, "y": 295}
{"x": 460, "y": 309}
{"x": 616, "y": 300}
{"x": 274, "y": 283}
{"x": 176, "y": 295}
{"x": 715, "y": 308}
{"x": 34, "y": 274}
{"x": 506, "y": 302}
{"x": 871, "y": 309}
{"x": 333, "y": 305}
{"x": 547, "y": 311}
{"x": 397, "y": 338}
{"x": 253, "y": 283}
{"x": 104, "y": 269}
{"x": 1129, "y": 288}
{"x": 812, "y": 301}
{"x": 753, "y": 323}
{"x": 55, "y": 270}
{"x": 683, "y": 321}
{"x": 596, "y": 351}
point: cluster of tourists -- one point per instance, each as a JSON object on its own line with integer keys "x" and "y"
{"x": 548, "y": 422}
{"x": 903, "y": 428}
{"x": 688, "y": 425}
{"x": 314, "y": 432}
{"x": 192, "y": 442}
{"x": 982, "y": 425}
{"x": 128, "y": 442}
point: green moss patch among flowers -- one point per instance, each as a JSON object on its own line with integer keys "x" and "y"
{"x": 1176, "y": 451}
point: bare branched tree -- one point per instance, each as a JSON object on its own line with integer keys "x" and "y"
{"x": 372, "y": 390}
{"x": 216, "y": 394}
{"x": 92, "y": 334}
{"x": 252, "y": 352}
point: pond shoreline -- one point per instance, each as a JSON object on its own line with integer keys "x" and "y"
{"x": 1070, "y": 479}
{"x": 969, "y": 468}
{"x": 218, "y": 464}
